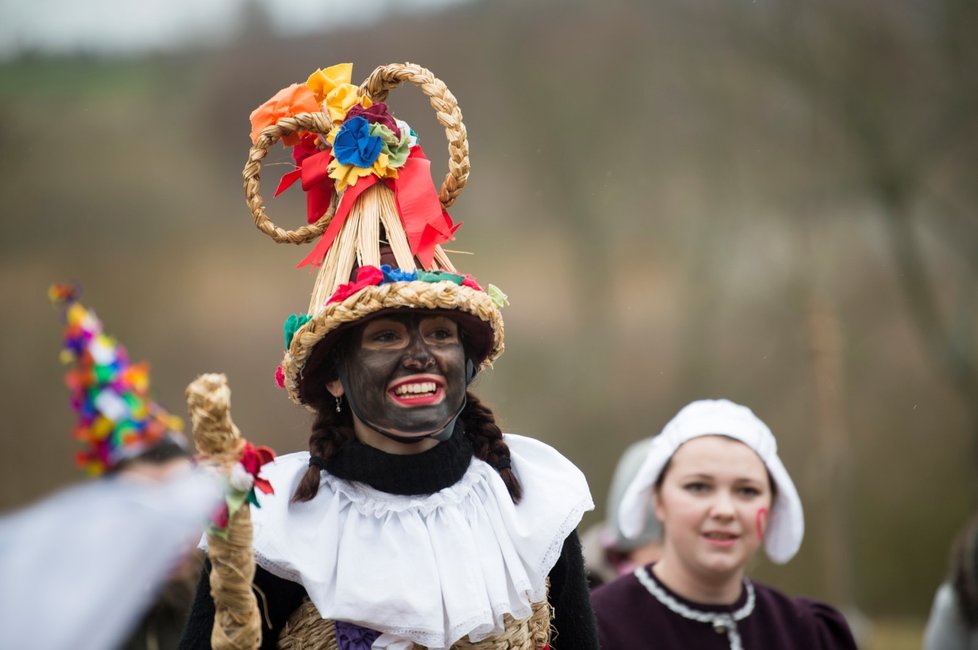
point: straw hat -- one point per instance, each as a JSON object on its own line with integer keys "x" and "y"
{"x": 117, "y": 420}
{"x": 786, "y": 524}
{"x": 373, "y": 205}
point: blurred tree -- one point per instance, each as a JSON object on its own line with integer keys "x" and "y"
{"x": 894, "y": 102}
{"x": 895, "y": 82}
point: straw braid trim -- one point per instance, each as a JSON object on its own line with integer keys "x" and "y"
{"x": 394, "y": 295}
{"x": 307, "y": 629}
{"x": 313, "y": 122}
{"x": 386, "y": 77}
{"x": 380, "y": 82}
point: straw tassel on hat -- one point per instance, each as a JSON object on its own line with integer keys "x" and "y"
{"x": 374, "y": 207}
{"x": 117, "y": 419}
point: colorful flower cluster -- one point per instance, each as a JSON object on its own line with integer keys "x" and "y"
{"x": 364, "y": 145}
{"x": 116, "y": 417}
{"x": 243, "y": 481}
{"x": 364, "y": 140}
{"x": 373, "y": 276}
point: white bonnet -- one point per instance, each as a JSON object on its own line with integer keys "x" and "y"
{"x": 786, "y": 522}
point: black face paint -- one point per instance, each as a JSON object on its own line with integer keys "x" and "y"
{"x": 406, "y": 374}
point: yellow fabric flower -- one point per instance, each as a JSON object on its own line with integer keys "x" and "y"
{"x": 341, "y": 99}
{"x": 345, "y": 175}
{"x": 381, "y": 167}
{"x": 331, "y": 136}
{"x": 322, "y": 82}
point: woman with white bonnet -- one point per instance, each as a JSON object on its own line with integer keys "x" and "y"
{"x": 717, "y": 485}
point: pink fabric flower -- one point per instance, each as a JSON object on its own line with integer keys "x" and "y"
{"x": 469, "y": 281}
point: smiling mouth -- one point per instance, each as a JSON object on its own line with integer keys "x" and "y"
{"x": 417, "y": 393}
{"x": 420, "y": 389}
{"x": 720, "y": 537}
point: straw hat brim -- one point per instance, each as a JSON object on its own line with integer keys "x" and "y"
{"x": 476, "y": 308}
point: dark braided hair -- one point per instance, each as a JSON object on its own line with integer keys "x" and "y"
{"x": 487, "y": 441}
{"x": 330, "y": 430}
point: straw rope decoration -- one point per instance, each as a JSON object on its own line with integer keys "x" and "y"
{"x": 387, "y": 77}
{"x": 376, "y": 87}
{"x": 359, "y": 232}
{"x": 237, "y": 625}
{"x": 369, "y": 197}
{"x": 307, "y": 629}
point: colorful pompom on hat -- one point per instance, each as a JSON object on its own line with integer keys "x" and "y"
{"x": 117, "y": 420}
{"x": 372, "y": 204}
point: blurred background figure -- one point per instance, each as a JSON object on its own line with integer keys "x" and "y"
{"x": 607, "y": 552}
{"x": 82, "y": 567}
{"x": 169, "y": 462}
{"x": 715, "y": 481}
{"x": 85, "y": 567}
{"x": 953, "y": 622}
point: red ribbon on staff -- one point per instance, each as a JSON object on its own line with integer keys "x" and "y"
{"x": 425, "y": 221}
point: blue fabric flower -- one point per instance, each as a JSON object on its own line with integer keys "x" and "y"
{"x": 397, "y": 275}
{"x": 354, "y": 145}
{"x": 353, "y": 637}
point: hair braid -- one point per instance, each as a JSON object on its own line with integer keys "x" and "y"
{"x": 488, "y": 444}
{"x": 330, "y": 431}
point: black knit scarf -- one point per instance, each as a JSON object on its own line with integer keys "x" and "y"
{"x": 424, "y": 473}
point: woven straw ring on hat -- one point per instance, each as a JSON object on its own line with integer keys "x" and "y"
{"x": 373, "y": 210}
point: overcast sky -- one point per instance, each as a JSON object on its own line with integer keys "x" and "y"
{"x": 120, "y": 26}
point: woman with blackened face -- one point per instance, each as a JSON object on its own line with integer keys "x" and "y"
{"x": 403, "y": 375}
{"x": 408, "y": 467}
{"x": 412, "y": 520}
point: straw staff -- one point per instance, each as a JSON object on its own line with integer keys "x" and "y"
{"x": 237, "y": 624}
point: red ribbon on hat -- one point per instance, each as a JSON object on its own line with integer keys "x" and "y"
{"x": 425, "y": 221}
{"x": 311, "y": 167}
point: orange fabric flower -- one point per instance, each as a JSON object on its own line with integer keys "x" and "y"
{"x": 287, "y": 102}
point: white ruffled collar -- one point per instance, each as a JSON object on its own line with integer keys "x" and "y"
{"x": 433, "y": 568}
